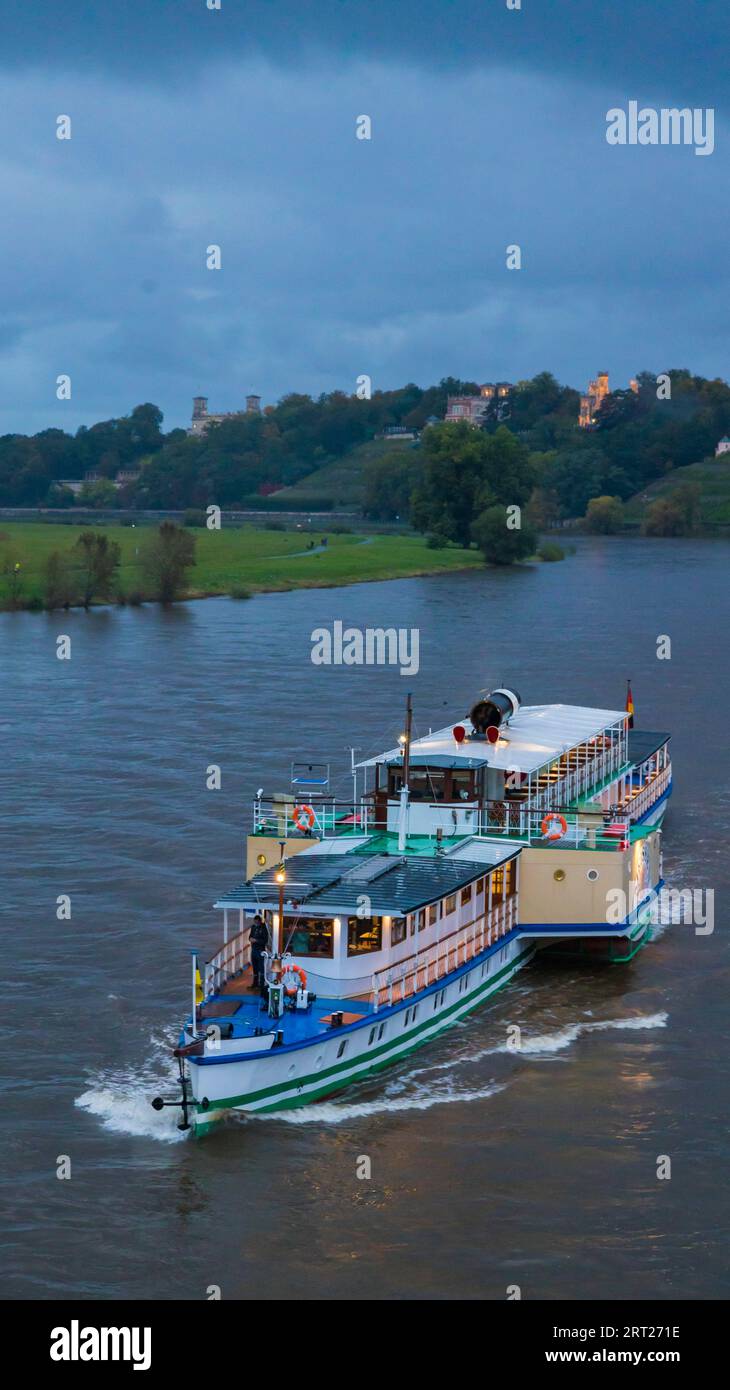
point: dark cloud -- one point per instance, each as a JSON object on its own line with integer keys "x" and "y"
{"x": 343, "y": 256}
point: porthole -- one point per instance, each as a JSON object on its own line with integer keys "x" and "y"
{"x": 559, "y": 875}
{"x": 592, "y": 875}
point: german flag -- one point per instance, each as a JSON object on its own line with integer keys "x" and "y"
{"x": 629, "y": 704}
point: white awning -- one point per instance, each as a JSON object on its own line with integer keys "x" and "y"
{"x": 537, "y": 735}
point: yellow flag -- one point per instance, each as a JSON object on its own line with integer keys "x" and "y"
{"x": 198, "y": 988}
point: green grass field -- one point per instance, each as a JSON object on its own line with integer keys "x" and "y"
{"x": 248, "y": 558}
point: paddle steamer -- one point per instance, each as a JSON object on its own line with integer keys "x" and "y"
{"x": 393, "y": 916}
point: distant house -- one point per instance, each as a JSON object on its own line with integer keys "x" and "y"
{"x": 202, "y": 419}
{"x": 126, "y": 475}
{"x": 492, "y": 403}
{"x": 391, "y": 432}
{"x": 723, "y": 447}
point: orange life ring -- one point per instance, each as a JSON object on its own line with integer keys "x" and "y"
{"x": 550, "y": 819}
{"x": 303, "y": 813}
{"x": 294, "y": 970}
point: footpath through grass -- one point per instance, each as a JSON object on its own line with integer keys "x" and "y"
{"x": 228, "y": 560}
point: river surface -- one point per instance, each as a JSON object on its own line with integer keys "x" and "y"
{"x": 489, "y": 1168}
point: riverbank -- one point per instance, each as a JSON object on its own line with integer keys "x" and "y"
{"x": 241, "y": 561}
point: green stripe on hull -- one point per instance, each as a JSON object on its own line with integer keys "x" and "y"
{"x": 388, "y": 1054}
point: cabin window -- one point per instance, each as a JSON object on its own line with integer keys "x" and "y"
{"x": 364, "y": 934}
{"x": 480, "y": 888}
{"x": 466, "y": 895}
{"x": 398, "y": 930}
{"x": 309, "y": 936}
{"x": 450, "y": 905}
{"x": 342, "y": 1049}
{"x": 421, "y": 919}
{"x": 415, "y": 1011}
{"x": 381, "y": 1030}
{"x": 371, "y": 1039}
{"x": 407, "y": 1018}
{"x": 503, "y": 882}
{"x": 433, "y": 914}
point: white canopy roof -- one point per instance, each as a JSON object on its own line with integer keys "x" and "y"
{"x": 536, "y": 735}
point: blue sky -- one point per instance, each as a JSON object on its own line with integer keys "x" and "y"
{"x": 341, "y": 256}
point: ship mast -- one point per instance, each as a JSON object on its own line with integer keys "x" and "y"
{"x": 403, "y": 813}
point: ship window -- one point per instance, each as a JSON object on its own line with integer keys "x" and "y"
{"x": 466, "y": 895}
{"x": 364, "y": 934}
{"x": 397, "y": 930}
{"x": 426, "y": 786}
{"x": 381, "y": 1031}
{"x": 407, "y": 1018}
{"x": 433, "y": 914}
{"x": 480, "y": 888}
{"x": 462, "y": 786}
{"x": 342, "y": 1049}
{"x": 420, "y": 920}
{"x": 415, "y": 1011}
{"x": 450, "y": 904}
{"x": 310, "y": 936}
{"x": 371, "y": 1039}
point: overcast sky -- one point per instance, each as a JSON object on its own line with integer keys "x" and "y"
{"x": 341, "y": 256}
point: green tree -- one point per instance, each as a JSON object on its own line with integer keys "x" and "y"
{"x": 60, "y": 586}
{"x": 99, "y": 494}
{"x": 389, "y": 484}
{"x": 466, "y": 471}
{"x": 675, "y": 514}
{"x": 500, "y": 543}
{"x": 604, "y": 515}
{"x": 98, "y": 560}
{"x": 168, "y": 556}
{"x": 11, "y": 568}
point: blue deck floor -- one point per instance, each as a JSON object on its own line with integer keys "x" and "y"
{"x": 296, "y": 1024}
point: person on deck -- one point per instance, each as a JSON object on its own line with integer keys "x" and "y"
{"x": 259, "y": 938}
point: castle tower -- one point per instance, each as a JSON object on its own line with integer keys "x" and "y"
{"x": 253, "y": 405}
{"x": 200, "y": 407}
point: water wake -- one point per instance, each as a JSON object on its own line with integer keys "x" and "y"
{"x": 121, "y": 1098}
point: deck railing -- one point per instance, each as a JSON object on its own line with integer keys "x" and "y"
{"x": 640, "y": 798}
{"x": 231, "y": 960}
{"x": 312, "y": 816}
{"x": 401, "y": 981}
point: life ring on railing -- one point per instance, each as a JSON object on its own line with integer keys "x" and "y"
{"x": 303, "y": 814}
{"x": 552, "y": 818}
{"x": 293, "y": 970}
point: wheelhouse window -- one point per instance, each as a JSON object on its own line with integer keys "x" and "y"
{"x": 364, "y": 934}
{"x": 309, "y": 936}
{"x": 462, "y": 785}
{"x": 424, "y": 784}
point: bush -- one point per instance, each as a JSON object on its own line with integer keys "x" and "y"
{"x": 194, "y": 518}
{"x": 436, "y": 542}
{"x": 275, "y": 526}
{"x": 135, "y": 598}
{"x": 240, "y": 591}
{"x": 35, "y": 604}
{"x": 499, "y": 543}
{"x": 550, "y": 552}
{"x": 60, "y": 583}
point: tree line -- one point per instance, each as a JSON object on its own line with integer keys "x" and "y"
{"x": 89, "y": 571}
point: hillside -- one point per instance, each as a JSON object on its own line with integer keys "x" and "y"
{"x": 341, "y": 482}
{"x": 713, "y": 476}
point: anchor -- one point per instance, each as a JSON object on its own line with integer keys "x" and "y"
{"x": 186, "y": 1100}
